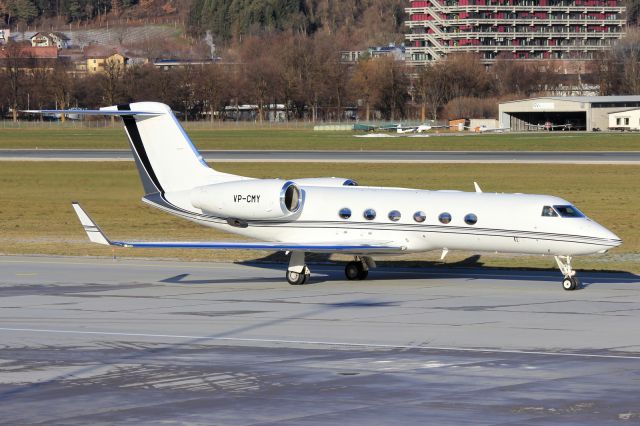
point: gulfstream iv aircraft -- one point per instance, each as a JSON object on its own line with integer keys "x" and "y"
{"x": 335, "y": 215}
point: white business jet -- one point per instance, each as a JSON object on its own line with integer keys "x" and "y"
{"x": 334, "y": 215}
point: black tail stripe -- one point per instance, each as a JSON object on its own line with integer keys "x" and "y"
{"x": 138, "y": 146}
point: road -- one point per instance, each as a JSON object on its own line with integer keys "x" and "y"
{"x": 344, "y": 156}
{"x": 92, "y": 341}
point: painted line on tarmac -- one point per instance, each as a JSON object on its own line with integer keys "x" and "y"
{"x": 481, "y": 273}
{"x": 325, "y": 343}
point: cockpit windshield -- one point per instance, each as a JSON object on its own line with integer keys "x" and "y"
{"x": 548, "y": 211}
{"x": 568, "y": 211}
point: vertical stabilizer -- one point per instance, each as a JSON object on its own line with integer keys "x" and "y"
{"x": 165, "y": 156}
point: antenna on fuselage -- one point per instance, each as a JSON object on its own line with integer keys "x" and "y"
{"x": 478, "y": 189}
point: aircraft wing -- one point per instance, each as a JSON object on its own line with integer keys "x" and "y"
{"x": 96, "y": 235}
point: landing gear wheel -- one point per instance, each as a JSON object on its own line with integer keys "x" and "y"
{"x": 570, "y": 283}
{"x": 356, "y": 271}
{"x": 296, "y": 278}
{"x": 353, "y": 271}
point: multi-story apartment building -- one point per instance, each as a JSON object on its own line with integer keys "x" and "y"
{"x": 512, "y": 29}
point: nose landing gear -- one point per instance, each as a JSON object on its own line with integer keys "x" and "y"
{"x": 570, "y": 281}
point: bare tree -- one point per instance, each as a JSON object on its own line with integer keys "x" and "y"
{"x": 211, "y": 85}
{"x": 432, "y": 88}
{"x": 61, "y": 87}
{"x": 16, "y": 61}
{"x": 111, "y": 83}
{"x": 365, "y": 78}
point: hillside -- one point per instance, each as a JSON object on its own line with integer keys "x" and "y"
{"x": 364, "y": 20}
{"x": 358, "y": 21}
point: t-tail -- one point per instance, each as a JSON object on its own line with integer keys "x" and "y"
{"x": 167, "y": 160}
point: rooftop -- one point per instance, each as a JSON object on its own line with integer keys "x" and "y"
{"x": 586, "y": 99}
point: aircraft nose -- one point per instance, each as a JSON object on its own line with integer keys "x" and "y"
{"x": 599, "y": 231}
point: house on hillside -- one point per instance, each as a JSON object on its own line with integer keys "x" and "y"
{"x": 167, "y": 64}
{"x": 99, "y": 57}
{"x": 5, "y": 34}
{"x": 48, "y": 39}
{"x": 393, "y": 50}
{"x": 28, "y": 57}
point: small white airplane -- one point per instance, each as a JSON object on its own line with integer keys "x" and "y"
{"x": 484, "y": 129}
{"x": 335, "y": 215}
{"x": 416, "y": 129}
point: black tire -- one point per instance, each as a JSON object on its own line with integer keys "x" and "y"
{"x": 363, "y": 274}
{"x": 295, "y": 278}
{"x": 353, "y": 270}
{"x": 569, "y": 283}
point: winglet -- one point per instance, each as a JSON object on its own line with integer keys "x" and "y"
{"x": 93, "y": 231}
{"x": 475, "y": 184}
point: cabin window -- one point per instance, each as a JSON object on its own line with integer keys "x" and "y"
{"x": 471, "y": 219}
{"x": 568, "y": 211}
{"x": 394, "y": 215}
{"x": 345, "y": 213}
{"x": 419, "y": 216}
{"x": 548, "y": 211}
{"x": 369, "y": 214}
{"x": 444, "y": 218}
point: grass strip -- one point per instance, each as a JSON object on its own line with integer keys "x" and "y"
{"x": 306, "y": 139}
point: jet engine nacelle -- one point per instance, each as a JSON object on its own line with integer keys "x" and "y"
{"x": 326, "y": 181}
{"x": 259, "y": 199}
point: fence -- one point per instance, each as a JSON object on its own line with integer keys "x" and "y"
{"x": 198, "y": 125}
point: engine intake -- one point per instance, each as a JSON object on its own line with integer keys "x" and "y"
{"x": 259, "y": 199}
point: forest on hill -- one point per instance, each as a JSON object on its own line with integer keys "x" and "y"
{"x": 361, "y": 19}
{"x": 228, "y": 20}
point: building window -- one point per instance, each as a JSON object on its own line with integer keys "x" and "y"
{"x": 369, "y": 214}
{"x": 419, "y": 216}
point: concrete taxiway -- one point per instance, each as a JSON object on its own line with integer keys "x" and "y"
{"x": 533, "y": 157}
{"x": 93, "y": 341}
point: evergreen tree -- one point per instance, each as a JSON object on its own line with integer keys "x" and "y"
{"x": 25, "y": 10}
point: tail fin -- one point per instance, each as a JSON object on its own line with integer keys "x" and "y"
{"x": 166, "y": 158}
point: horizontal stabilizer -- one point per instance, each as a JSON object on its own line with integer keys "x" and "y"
{"x": 90, "y": 112}
{"x": 97, "y": 236}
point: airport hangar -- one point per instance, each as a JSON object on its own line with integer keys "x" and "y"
{"x": 583, "y": 112}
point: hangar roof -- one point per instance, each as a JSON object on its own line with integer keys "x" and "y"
{"x": 585, "y": 99}
{"x": 625, "y": 110}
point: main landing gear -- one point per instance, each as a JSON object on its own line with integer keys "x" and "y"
{"x": 297, "y": 273}
{"x": 359, "y": 268}
{"x": 570, "y": 281}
